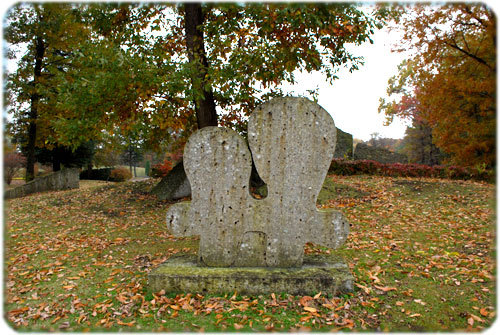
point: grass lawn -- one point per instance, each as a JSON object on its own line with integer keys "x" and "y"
{"x": 421, "y": 252}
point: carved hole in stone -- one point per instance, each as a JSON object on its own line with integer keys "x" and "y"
{"x": 259, "y": 192}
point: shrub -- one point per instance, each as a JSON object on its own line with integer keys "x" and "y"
{"x": 96, "y": 174}
{"x": 12, "y": 163}
{"x": 147, "y": 168}
{"x": 344, "y": 167}
{"x": 161, "y": 170}
{"x": 120, "y": 174}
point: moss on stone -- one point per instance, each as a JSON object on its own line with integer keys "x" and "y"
{"x": 326, "y": 273}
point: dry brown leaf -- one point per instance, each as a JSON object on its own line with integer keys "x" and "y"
{"x": 386, "y": 288}
{"x": 237, "y": 326}
{"x": 310, "y": 309}
{"x": 304, "y": 301}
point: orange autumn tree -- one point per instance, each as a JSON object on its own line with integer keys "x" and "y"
{"x": 450, "y": 80}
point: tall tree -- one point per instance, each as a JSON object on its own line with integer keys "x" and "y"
{"x": 204, "y": 103}
{"x": 207, "y": 64}
{"x": 47, "y": 33}
{"x": 451, "y": 78}
{"x": 168, "y": 69}
{"x": 418, "y": 145}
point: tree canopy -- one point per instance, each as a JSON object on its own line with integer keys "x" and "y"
{"x": 130, "y": 65}
{"x": 450, "y": 80}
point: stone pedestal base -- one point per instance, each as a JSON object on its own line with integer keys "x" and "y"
{"x": 326, "y": 273}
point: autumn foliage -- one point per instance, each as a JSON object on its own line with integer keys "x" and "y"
{"x": 160, "y": 170}
{"x": 450, "y": 80}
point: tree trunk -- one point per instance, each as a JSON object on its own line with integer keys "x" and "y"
{"x": 130, "y": 159}
{"x": 206, "y": 114}
{"x": 33, "y": 114}
{"x": 175, "y": 184}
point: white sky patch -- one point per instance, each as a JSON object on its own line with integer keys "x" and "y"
{"x": 353, "y": 99}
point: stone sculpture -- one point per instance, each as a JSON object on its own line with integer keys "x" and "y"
{"x": 292, "y": 142}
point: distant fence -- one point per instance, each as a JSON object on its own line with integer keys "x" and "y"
{"x": 60, "y": 180}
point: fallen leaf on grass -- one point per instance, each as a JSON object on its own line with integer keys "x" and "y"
{"x": 310, "y": 309}
{"x": 476, "y": 318}
{"x": 304, "y": 301}
{"x": 483, "y": 312}
{"x": 19, "y": 311}
{"x": 364, "y": 288}
{"x": 64, "y": 325}
{"x": 237, "y": 326}
{"x": 386, "y": 288}
{"x": 129, "y": 324}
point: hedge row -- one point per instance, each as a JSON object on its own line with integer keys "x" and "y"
{"x": 340, "y": 166}
{"x": 107, "y": 174}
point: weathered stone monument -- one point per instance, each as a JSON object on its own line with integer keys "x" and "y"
{"x": 257, "y": 246}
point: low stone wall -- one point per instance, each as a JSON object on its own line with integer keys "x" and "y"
{"x": 60, "y": 180}
{"x": 381, "y": 155}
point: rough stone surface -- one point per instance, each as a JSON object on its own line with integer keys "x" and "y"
{"x": 344, "y": 147}
{"x": 60, "y": 180}
{"x": 292, "y": 141}
{"x": 174, "y": 186}
{"x": 381, "y": 155}
{"x": 325, "y": 273}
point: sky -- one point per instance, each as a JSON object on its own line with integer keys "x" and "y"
{"x": 353, "y": 99}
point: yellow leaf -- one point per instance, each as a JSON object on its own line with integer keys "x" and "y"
{"x": 310, "y": 309}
